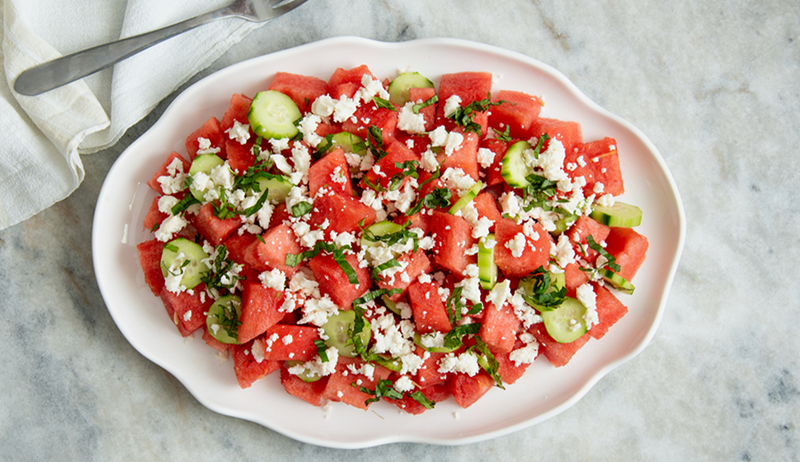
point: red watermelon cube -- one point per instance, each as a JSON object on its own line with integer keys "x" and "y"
{"x": 302, "y": 89}
{"x": 416, "y": 263}
{"x": 334, "y": 282}
{"x": 240, "y": 156}
{"x": 187, "y": 309}
{"x": 559, "y": 354}
{"x": 247, "y": 368}
{"x": 453, "y": 236}
{"x": 331, "y": 171}
{"x": 534, "y": 252}
{"x": 270, "y": 251}
{"x": 260, "y": 310}
{"x": 237, "y": 110}
{"x": 350, "y": 77}
{"x": 211, "y": 131}
{"x": 628, "y": 248}
{"x": 493, "y": 175}
{"x": 428, "y": 310}
{"x": 465, "y": 157}
{"x": 154, "y": 217}
{"x": 467, "y": 390}
{"x": 369, "y": 115}
{"x": 213, "y": 229}
{"x": 569, "y": 133}
{"x": 499, "y": 327}
{"x": 290, "y": 343}
{"x": 150, "y": 260}
{"x": 163, "y": 171}
{"x": 428, "y": 112}
{"x": 344, "y": 385}
{"x": 344, "y": 213}
{"x": 519, "y": 111}
{"x": 310, "y": 392}
{"x": 579, "y": 232}
{"x": 609, "y": 311}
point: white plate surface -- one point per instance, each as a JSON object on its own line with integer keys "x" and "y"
{"x": 543, "y": 392}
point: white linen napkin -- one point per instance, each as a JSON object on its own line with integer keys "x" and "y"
{"x": 43, "y": 137}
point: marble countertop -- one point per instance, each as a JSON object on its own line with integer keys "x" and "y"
{"x": 715, "y": 86}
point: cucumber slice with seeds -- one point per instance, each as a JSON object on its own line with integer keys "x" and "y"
{"x": 182, "y": 257}
{"x": 222, "y": 320}
{"x": 203, "y": 163}
{"x": 337, "y": 329}
{"x": 273, "y": 115}
{"x": 514, "y": 169}
{"x": 278, "y": 186}
{"x": 398, "y": 88}
{"x": 565, "y": 323}
{"x": 620, "y": 215}
{"x": 349, "y": 143}
{"x": 381, "y": 228}
{"x": 487, "y": 268}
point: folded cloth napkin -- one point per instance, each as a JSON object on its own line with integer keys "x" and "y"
{"x": 44, "y": 136}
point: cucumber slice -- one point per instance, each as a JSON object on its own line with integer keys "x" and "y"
{"x": 381, "y": 228}
{"x": 337, "y": 328}
{"x": 514, "y": 169}
{"x": 563, "y": 224}
{"x": 349, "y": 143}
{"x": 565, "y": 323}
{"x": 487, "y": 268}
{"x": 557, "y": 282}
{"x": 203, "y": 163}
{"x": 184, "y": 257}
{"x": 398, "y": 88}
{"x": 462, "y": 201}
{"x": 222, "y": 320}
{"x": 278, "y": 186}
{"x": 273, "y": 115}
{"x": 306, "y": 375}
{"x": 619, "y": 282}
{"x": 390, "y": 305}
{"x": 620, "y": 215}
{"x": 393, "y": 364}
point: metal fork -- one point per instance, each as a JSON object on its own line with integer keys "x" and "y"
{"x": 61, "y": 71}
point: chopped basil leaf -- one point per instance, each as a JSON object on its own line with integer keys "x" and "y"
{"x": 430, "y": 101}
{"x": 540, "y": 284}
{"x": 301, "y": 208}
{"x": 187, "y": 201}
{"x": 323, "y": 356}
{"x": 383, "y": 104}
{"x": 440, "y": 197}
{"x": 504, "y": 135}
{"x": 489, "y": 363}
{"x": 422, "y": 399}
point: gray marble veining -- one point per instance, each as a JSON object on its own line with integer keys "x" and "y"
{"x": 715, "y": 86}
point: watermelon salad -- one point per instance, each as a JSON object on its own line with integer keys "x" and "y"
{"x": 366, "y": 239}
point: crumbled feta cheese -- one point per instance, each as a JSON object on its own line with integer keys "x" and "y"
{"x": 404, "y": 384}
{"x": 239, "y": 132}
{"x": 517, "y": 245}
{"x": 410, "y": 122}
{"x": 585, "y": 294}
{"x": 485, "y": 157}
{"x": 204, "y": 147}
{"x": 274, "y": 279}
{"x": 451, "y": 105}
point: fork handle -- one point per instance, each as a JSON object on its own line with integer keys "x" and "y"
{"x": 61, "y": 71}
